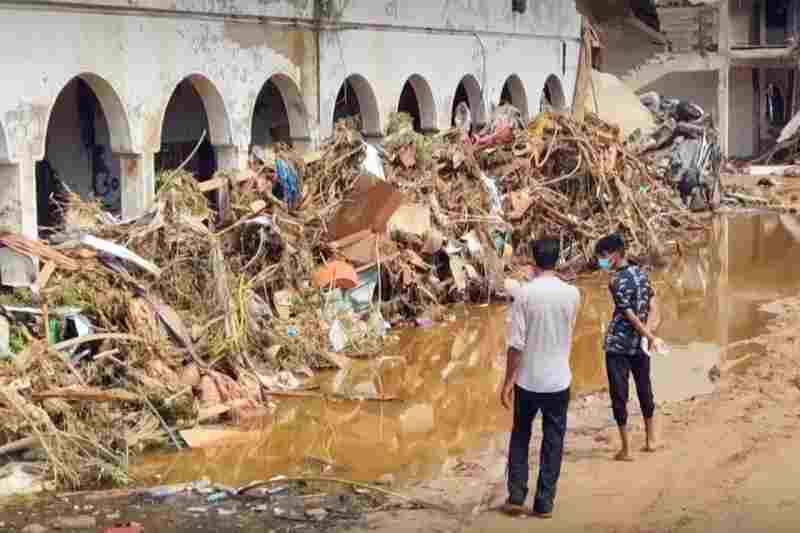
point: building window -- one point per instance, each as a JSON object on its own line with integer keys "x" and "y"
{"x": 519, "y": 6}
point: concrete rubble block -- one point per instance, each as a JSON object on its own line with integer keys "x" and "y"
{"x": 16, "y": 270}
{"x": 317, "y": 514}
{"x": 70, "y": 523}
{"x": 616, "y": 103}
{"x": 411, "y": 218}
{"x": 18, "y": 479}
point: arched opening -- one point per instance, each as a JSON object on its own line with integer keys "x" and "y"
{"x": 356, "y": 99}
{"x": 417, "y": 100}
{"x": 195, "y": 106}
{"x": 514, "y": 94}
{"x": 553, "y": 95}
{"x": 279, "y": 114}
{"x": 469, "y": 92}
{"x": 86, "y": 128}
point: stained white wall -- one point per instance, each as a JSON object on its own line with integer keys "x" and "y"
{"x": 142, "y": 58}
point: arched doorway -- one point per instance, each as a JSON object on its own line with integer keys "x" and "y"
{"x": 469, "y": 92}
{"x": 194, "y": 107}
{"x": 553, "y": 95}
{"x": 357, "y": 99}
{"x": 514, "y": 94}
{"x": 86, "y": 127}
{"x": 279, "y": 114}
{"x": 416, "y": 99}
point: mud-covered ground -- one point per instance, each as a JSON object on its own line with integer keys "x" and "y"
{"x": 729, "y": 414}
{"x": 730, "y": 461}
{"x": 191, "y": 511}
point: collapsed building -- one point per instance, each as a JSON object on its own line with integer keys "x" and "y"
{"x": 734, "y": 58}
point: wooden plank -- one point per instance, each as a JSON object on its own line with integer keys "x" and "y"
{"x": 88, "y": 394}
{"x": 212, "y": 184}
{"x": 33, "y": 248}
{"x": 19, "y": 445}
{"x": 44, "y": 275}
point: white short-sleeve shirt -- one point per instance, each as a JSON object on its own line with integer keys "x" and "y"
{"x": 542, "y": 323}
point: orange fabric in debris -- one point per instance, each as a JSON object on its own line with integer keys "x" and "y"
{"x": 338, "y": 273}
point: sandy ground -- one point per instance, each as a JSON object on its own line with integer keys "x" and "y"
{"x": 730, "y": 462}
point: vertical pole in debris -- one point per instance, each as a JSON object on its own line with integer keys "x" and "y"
{"x": 723, "y": 106}
{"x": 723, "y": 49}
{"x": 583, "y": 77}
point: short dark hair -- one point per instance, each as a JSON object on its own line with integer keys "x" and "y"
{"x": 546, "y": 252}
{"x": 610, "y": 244}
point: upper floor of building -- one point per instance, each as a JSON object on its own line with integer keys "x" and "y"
{"x": 516, "y": 17}
{"x": 742, "y": 29}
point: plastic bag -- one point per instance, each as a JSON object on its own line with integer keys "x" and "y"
{"x": 337, "y": 336}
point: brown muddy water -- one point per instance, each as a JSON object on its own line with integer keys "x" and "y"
{"x": 447, "y": 377}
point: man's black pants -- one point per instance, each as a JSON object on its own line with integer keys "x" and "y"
{"x": 554, "y": 426}
{"x": 620, "y": 367}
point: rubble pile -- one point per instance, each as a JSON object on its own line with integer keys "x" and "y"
{"x": 683, "y": 148}
{"x": 136, "y": 329}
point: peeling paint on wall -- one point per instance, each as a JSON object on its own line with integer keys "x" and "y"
{"x": 289, "y": 43}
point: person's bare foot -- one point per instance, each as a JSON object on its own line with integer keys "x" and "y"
{"x": 651, "y": 447}
{"x": 623, "y": 455}
{"x": 512, "y": 509}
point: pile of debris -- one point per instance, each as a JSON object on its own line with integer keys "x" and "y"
{"x": 684, "y": 149}
{"x": 136, "y": 329}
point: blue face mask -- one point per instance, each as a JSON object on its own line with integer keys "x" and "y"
{"x": 604, "y": 263}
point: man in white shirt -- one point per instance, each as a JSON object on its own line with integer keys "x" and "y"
{"x": 538, "y": 377}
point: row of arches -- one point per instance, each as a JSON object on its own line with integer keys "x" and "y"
{"x": 88, "y": 132}
{"x": 356, "y": 98}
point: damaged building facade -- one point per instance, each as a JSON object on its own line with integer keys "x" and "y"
{"x": 734, "y": 58}
{"x": 101, "y": 95}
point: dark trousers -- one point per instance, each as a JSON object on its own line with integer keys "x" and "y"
{"x": 620, "y": 367}
{"x": 554, "y": 426}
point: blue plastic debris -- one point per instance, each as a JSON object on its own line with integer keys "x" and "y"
{"x": 287, "y": 177}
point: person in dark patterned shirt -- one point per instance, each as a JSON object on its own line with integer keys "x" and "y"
{"x": 635, "y": 318}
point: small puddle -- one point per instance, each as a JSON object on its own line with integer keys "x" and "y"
{"x": 449, "y": 375}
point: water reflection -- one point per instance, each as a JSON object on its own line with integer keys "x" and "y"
{"x": 448, "y": 376}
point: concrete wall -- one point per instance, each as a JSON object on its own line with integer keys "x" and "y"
{"x": 258, "y": 8}
{"x": 542, "y": 17}
{"x": 134, "y": 55}
{"x": 134, "y": 72}
{"x": 742, "y": 140}
{"x": 627, "y": 48}
{"x": 741, "y": 21}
